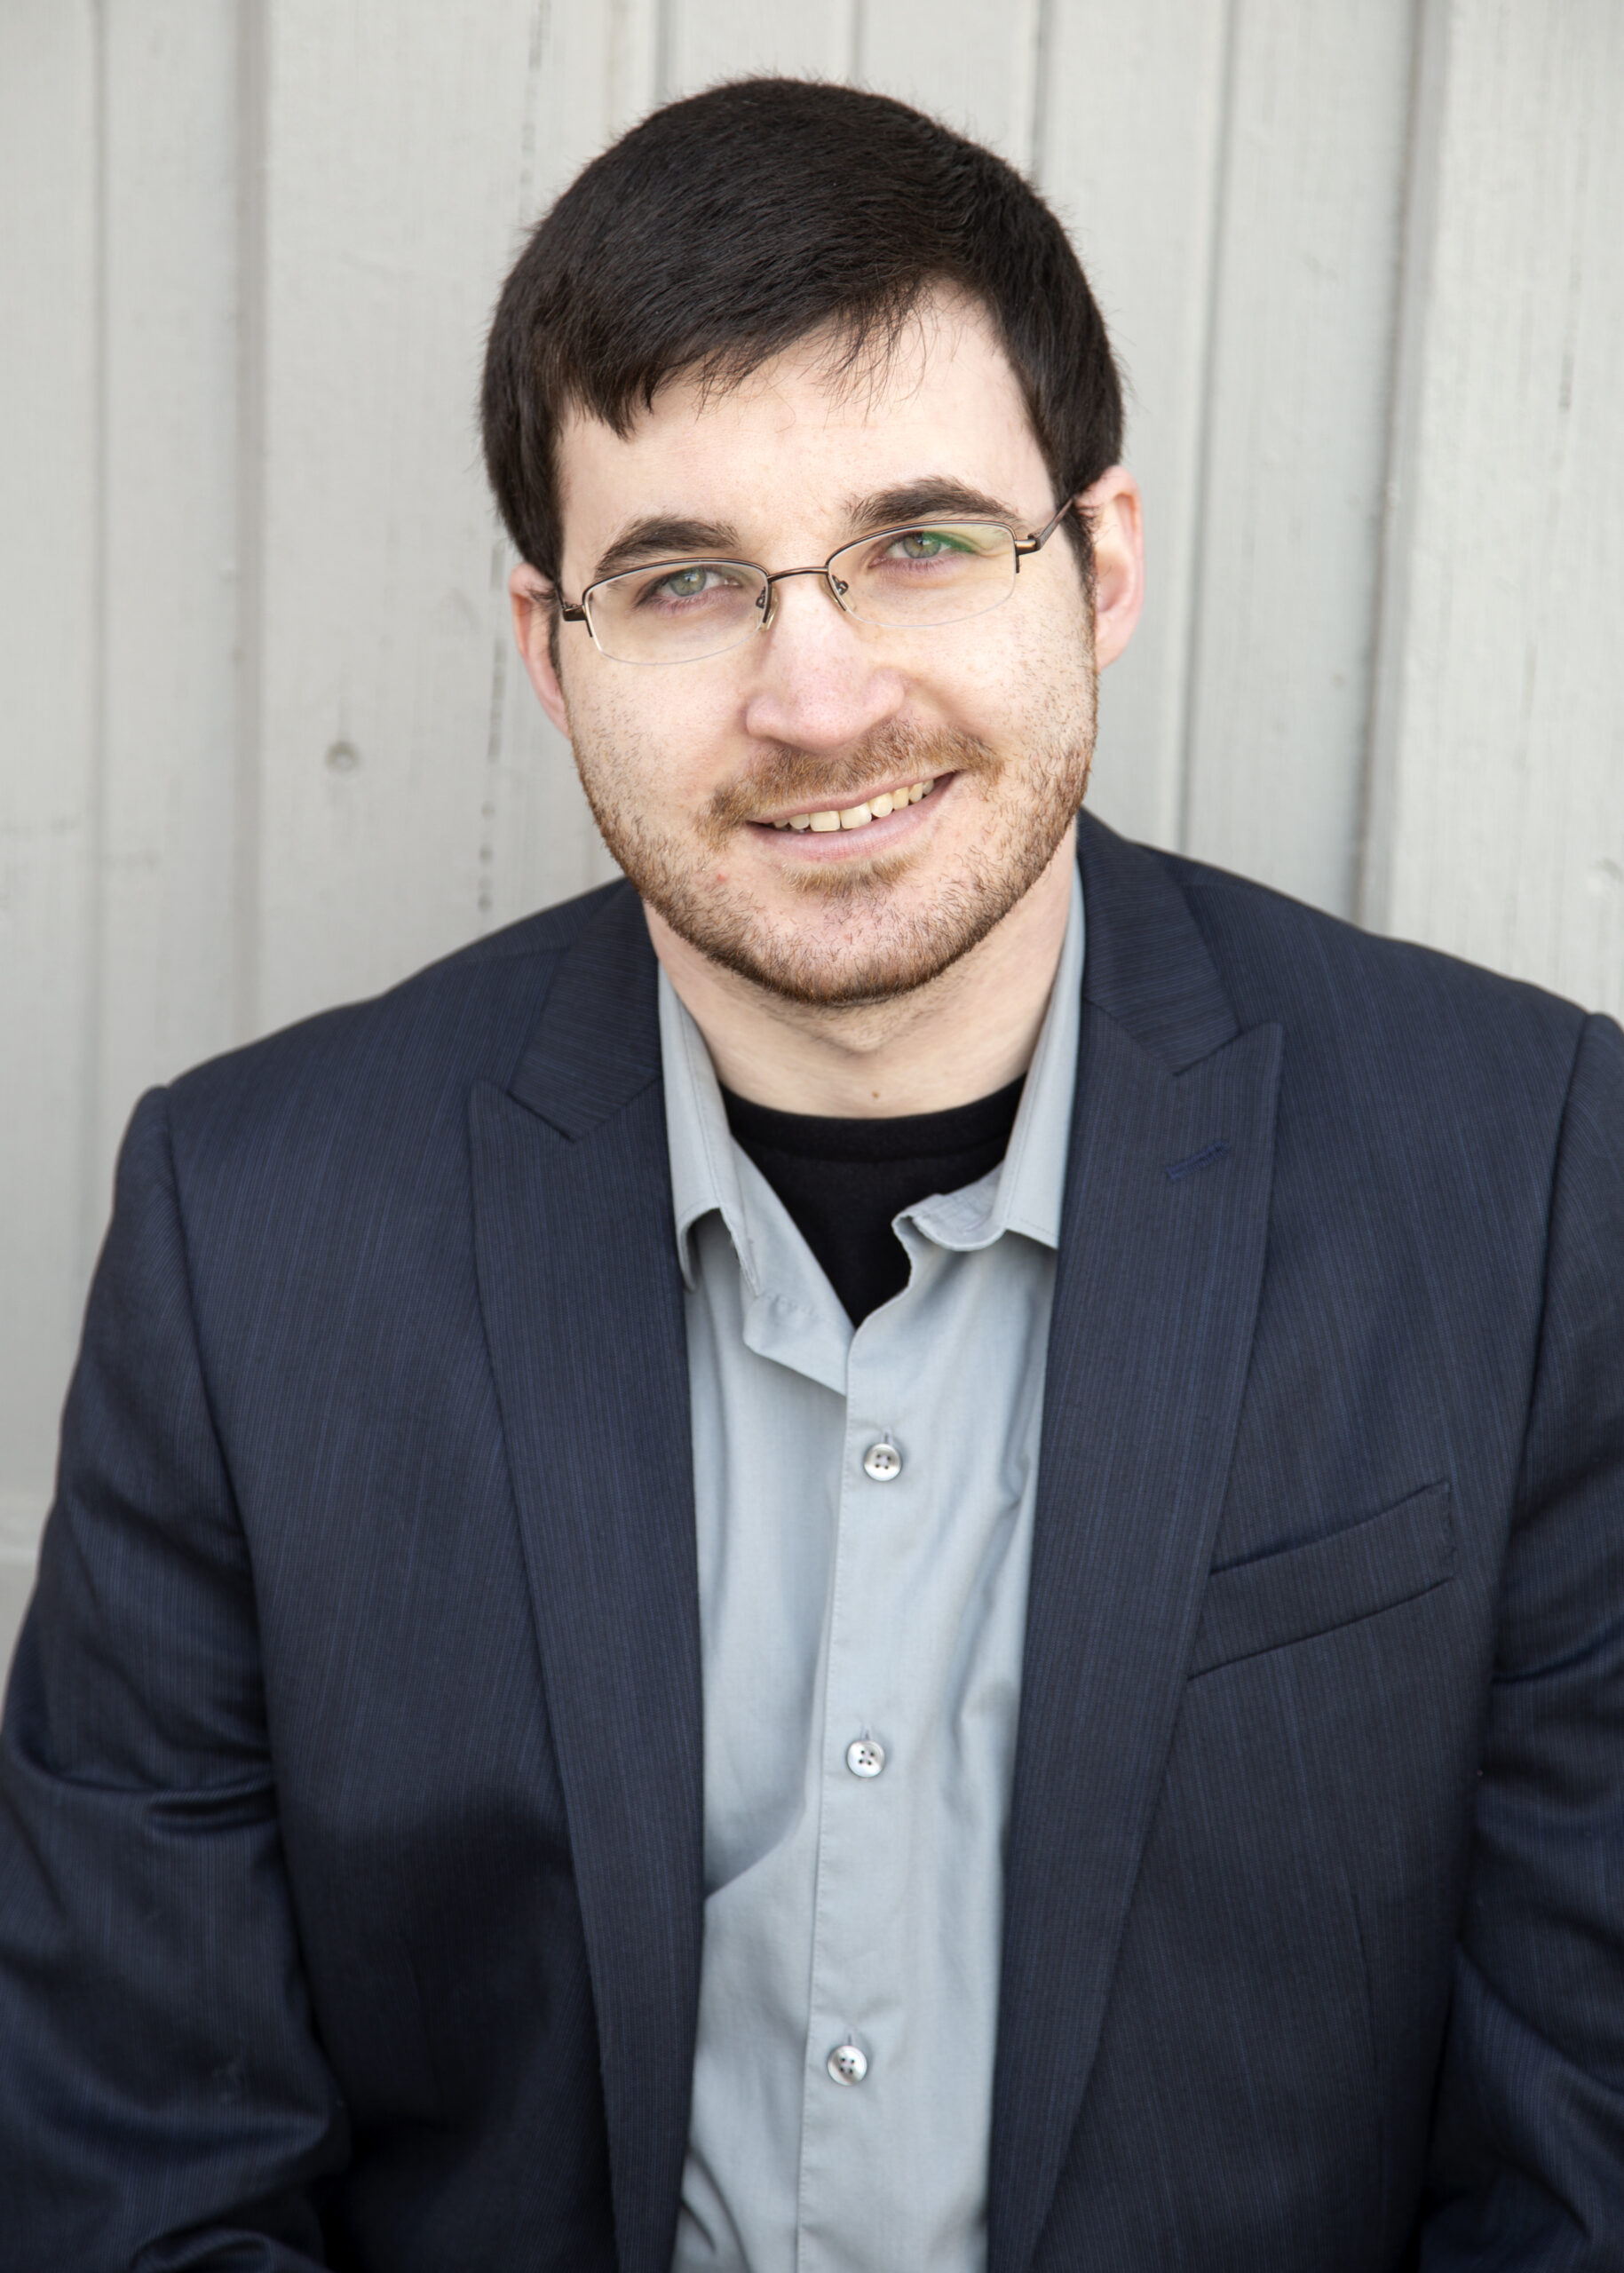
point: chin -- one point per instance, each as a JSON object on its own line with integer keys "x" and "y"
{"x": 849, "y": 958}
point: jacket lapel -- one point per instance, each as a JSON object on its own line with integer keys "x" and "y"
{"x": 1155, "y": 1297}
{"x": 583, "y": 1305}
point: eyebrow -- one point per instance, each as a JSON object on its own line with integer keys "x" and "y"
{"x": 665, "y": 536}
{"x": 929, "y": 498}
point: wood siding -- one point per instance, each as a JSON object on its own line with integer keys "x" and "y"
{"x": 265, "y": 746}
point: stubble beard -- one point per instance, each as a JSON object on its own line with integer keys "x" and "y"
{"x": 859, "y": 947}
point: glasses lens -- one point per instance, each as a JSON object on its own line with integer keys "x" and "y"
{"x": 675, "y": 610}
{"x": 938, "y": 573}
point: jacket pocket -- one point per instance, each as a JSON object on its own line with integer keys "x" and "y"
{"x": 1329, "y": 1582}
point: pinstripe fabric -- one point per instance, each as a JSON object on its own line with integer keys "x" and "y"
{"x": 350, "y": 1801}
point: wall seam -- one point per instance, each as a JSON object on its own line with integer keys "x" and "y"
{"x": 1200, "y": 519}
{"x": 662, "y": 51}
{"x": 92, "y": 1200}
{"x": 857, "y": 31}
{"x": 1379, "y": 785}
{"x": 252, "y": 100}
{"x": 1036, "y": 123}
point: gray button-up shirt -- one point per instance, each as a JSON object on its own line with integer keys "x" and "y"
{"x": 862, "y": 1633}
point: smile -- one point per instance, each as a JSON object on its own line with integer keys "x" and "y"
{"x": 877, "y": 808}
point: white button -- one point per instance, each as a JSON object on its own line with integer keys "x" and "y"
{"x": 883, "y": 1461}
{"x": 848, "y": 2064}
{"x": 864, "y": 1757}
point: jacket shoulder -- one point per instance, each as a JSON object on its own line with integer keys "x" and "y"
{"x": 1281, "y": 959}
{"x": 398, "y": 1057}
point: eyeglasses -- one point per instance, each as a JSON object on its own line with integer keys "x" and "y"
{"x": 912, "y": 579}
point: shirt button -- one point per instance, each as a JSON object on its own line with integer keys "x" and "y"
{"x": 865, "y": 1757}
{"x": 848, "y": 2064}
{"x": 883, "y": 1461}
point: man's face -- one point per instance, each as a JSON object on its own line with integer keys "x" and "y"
{"x": 692, "y": 769}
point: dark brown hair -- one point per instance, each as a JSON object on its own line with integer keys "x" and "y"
{"x": 725, "y": 227}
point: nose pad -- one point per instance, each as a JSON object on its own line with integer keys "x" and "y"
{"x": 836, "y": 588}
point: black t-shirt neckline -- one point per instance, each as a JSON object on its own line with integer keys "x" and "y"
{"x": 843, "y": 1180}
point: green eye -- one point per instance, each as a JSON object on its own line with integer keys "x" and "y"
{"x": 684, "y": 583}
{"x": 927, "y": 544}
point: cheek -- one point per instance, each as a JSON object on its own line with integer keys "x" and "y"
{"x": 646, "y": 739}
{"x": 1030, "y": 672}
{"x": 1054, "y": 653}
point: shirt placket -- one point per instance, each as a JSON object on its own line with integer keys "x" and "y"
{"x": 857, "y": 2023}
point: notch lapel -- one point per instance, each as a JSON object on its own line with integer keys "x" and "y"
{"x": 583, "y": 1305}
{"x": 1155, "y": 1302}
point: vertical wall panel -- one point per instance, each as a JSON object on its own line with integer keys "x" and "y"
{"x": 1130, "y": 132}
{"x": 169, "y": 623}
{"x": 1498, "y": 812}
{"x": 49, "y": 595}
{"x": 397, "y": 816}
{"x": 595, "y": 73}
{"x": 1298, "y": 384}
{"x": 974, "y": 66}
{"x": 706, "y": 40}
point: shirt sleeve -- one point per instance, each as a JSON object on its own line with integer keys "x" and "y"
{"x": 162, "y": 2095}
{"x": 1527, "y": 2162}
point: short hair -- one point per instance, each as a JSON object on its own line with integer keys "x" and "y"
{"x": 725, "y": 227}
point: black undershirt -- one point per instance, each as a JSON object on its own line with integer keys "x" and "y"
{"x": 843, "y": 1181}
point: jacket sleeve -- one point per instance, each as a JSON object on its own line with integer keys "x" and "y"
{"x": 1527, "y": 2164}
{"x": 164, "y": 2102}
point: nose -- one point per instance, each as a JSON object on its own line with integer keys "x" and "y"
{"x": 817, "y": 682}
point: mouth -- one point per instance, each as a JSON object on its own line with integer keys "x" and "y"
{"x": 881, "y": 806}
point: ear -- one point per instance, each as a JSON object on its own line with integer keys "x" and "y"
{"x": 1115, "y": 512}
{"x": 533, "y": 621}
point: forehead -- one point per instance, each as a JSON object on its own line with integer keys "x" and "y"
{"x": 783, "y": 447}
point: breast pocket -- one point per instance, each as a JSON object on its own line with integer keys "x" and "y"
{"x": 1291, "y": 1596}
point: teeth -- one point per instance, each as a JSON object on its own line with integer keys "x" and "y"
{"x": 889, "y": 801}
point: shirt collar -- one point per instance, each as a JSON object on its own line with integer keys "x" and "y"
{"x": 1024, "y": 1194}
{"x": 704, "y": 1160}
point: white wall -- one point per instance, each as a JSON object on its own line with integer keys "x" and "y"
{"x": 263, "y": 747}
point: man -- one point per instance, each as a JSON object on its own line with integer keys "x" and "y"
{"x": 902, "y": 1547}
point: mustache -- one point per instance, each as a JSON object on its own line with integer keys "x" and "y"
{"x": 784, "y": 775}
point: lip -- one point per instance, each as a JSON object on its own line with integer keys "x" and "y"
{"x": 850, "y": 844}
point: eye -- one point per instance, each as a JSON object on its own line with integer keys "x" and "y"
{"x": 695, "y": 580}
{"x": 925, "y": 544}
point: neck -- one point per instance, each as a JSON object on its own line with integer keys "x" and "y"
{"x": 963, "y": 1036}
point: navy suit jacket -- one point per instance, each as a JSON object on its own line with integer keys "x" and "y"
{"x": 351, "y": 1820}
